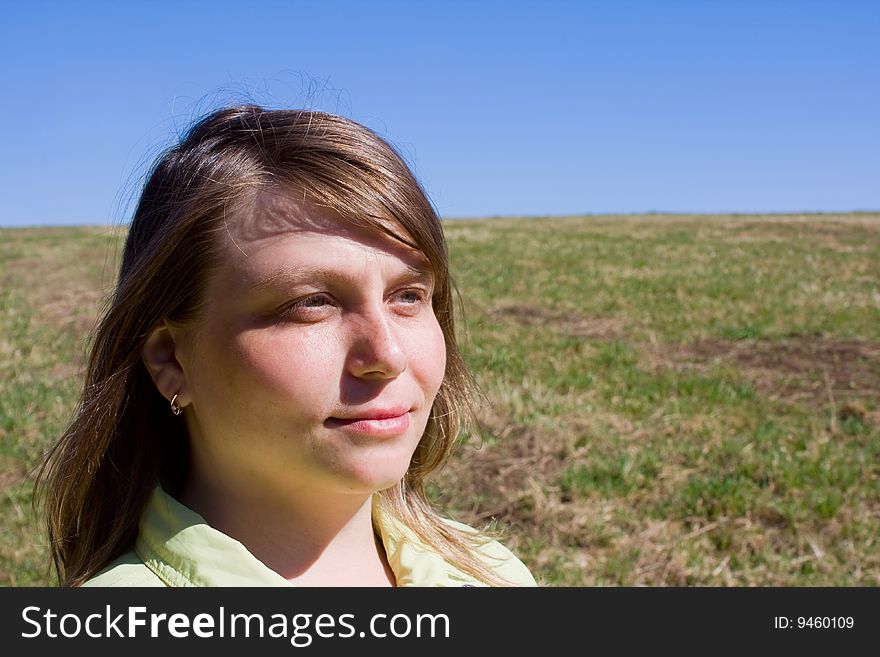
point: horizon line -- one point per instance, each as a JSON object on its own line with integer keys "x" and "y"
{"x": 668, "y": 213}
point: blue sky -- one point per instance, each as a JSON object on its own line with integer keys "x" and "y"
{"x": 501, "y": 108}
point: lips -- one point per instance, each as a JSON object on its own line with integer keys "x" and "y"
{"x": 384, "y": 422}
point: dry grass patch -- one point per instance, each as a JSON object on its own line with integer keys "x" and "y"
{"x": 12, "y": 473}
{"x": 819, "y": 371}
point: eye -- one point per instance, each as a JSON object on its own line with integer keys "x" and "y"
{"x": 314, "y": 301}
{"x": 411, "y": 296}
{"x": 409, "y": 301}
{"x": 313, "y": 306}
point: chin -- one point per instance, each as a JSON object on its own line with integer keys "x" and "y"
{"x": 374, "y": 479}
{"x": 373, "y": 467}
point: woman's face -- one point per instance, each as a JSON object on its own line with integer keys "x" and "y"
{"x": 317, "y": 356}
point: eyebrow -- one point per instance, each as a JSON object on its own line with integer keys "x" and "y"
{"x": 301, "y": 274}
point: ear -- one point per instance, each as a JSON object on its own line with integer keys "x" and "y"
{"x": 160, "y": 358}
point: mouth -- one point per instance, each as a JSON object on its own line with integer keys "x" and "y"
{"x": 379, "y": 423}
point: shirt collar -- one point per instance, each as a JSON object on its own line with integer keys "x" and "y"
{"x": 179, "y": 546}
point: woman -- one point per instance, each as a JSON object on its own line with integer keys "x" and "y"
{"x": 275, "y": 377}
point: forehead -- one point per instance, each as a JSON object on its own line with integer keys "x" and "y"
{"x": 273, "y": 221}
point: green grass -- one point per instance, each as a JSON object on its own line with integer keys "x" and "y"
{"x": 673, "y": 400}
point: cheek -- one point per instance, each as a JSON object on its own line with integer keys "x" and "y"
{"x": 301, "y": 361}
{"x": 431, "y": 359}
{"x": 277, "y": 370}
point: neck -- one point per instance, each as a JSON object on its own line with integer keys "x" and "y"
{"x": 312, "y": 539}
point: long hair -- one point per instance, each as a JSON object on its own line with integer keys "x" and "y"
{"x": 95, "y": 481}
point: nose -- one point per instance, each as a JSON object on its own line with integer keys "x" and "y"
{"x": 376, "y": 351}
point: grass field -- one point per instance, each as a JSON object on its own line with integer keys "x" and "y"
{"x": 670, "y": 400}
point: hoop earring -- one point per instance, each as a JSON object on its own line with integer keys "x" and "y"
{"x": 175, "y": 407}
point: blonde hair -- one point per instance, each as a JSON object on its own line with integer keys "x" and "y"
{"x": 95, "y": 481}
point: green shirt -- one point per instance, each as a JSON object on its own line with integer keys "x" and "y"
{"x": 176, "y": 547}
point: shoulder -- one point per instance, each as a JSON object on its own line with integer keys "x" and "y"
{"x": 499, "y": 558}
{"x": 126, "y": 571}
